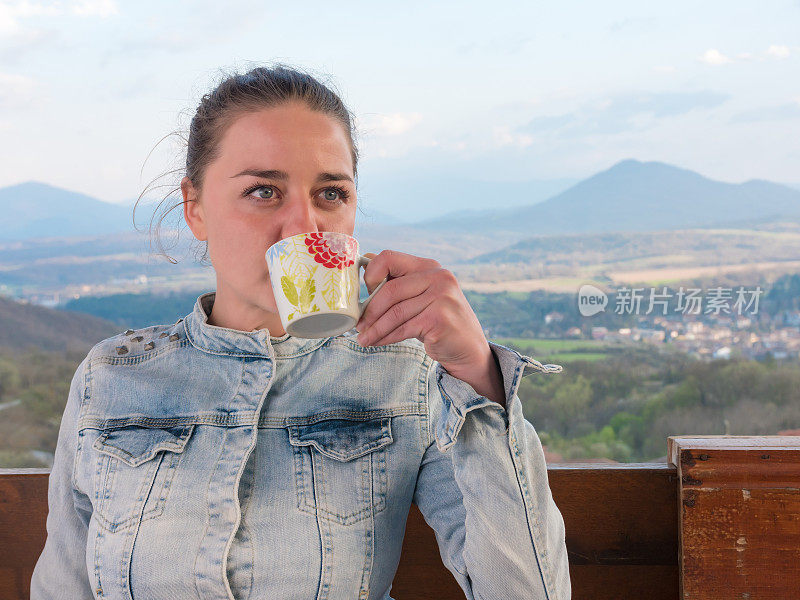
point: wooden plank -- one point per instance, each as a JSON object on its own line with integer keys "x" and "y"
{"x": 618, "y": 514}
{"x": 421, "y": 574}
{"x": 23, "y": 514}
{"x": 624, "y": 582}
{"x": 739, "y": 510}
{"x": 621, "y": 525}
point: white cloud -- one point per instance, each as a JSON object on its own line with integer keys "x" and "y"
{"x": 388, "y": 125}
{"x": 712, "y": 56}
{"x": 13, "y": 12}
{"x": 16, "y": 90}
{"x": 503, "y": 136}
{"x": 776, "y": 51}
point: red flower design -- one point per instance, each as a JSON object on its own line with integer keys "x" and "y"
{"x": 333, "y": 250}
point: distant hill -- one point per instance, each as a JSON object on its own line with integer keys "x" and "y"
{"x": 136, "y": 310}
{"x": 638, "y": 196}
{"x": 23, "y": 325}
{"x": 419, "y": 197}
{"x": 655, "y": 249}
{"x": 33, "y": 209}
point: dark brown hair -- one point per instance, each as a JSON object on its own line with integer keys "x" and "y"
{"x": 235, "y": 95}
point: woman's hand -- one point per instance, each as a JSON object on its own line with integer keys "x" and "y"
{"x": 423, "y": 300}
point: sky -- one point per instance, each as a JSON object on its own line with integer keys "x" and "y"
{"x": 488, "y": 91}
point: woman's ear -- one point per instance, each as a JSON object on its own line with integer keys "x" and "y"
{"x": 193, "y": 212}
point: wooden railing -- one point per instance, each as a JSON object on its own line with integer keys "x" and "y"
{"x": 720, "y": 520}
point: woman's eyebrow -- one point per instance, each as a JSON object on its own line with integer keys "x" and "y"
{"x": 283, "y": 175}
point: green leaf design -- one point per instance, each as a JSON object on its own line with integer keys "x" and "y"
{"x": 289, "y": 290}
{"x": 307, "y": 294}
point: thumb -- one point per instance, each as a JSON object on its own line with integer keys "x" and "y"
{"x": 370, "y": 254}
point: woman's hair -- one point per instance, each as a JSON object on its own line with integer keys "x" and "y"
{"x": 235, "y": 95}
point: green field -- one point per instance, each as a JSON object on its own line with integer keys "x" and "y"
{"x": 565, "y": 357}
{"x": 557, "y": 350}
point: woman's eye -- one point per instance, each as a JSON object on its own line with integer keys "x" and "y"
{"x": 265, "y": 188}
{"x": 331, "y": 194}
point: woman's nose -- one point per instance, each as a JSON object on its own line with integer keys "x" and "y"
{"x": 301, "y": 218}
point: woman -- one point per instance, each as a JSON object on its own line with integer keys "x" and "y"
{"x": 219, "y": 457}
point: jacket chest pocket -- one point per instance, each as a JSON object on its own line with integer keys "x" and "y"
{"x": 135, "y": 468}
{"x": 340, "y": 467}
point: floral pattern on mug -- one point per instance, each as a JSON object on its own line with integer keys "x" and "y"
{"x": 331, "y": 250}
{"x": 303, "y": 284}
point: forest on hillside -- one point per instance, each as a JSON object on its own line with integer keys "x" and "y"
{"x": 620, "y": 407}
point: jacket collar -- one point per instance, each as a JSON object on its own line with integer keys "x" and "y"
{"x": 235, "y": 342}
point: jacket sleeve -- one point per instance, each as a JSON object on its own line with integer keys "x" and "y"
{"x": 61, "y": 571}
{"x": 483, "y": 488}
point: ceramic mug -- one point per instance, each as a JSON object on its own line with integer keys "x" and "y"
{"x": 315, "y": 281}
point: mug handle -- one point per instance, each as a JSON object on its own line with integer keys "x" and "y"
{"x": 363, "y": 261}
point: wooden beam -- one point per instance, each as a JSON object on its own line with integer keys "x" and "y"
{"x": 621, "y": 526}
{"x": 23, "y": 512}
{"x": 622, "y": 536}
{"x": 739, "y": 510}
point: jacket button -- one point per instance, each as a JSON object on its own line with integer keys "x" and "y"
{"x": 128, "y": 331}
{"x": 138, "y": 338}
{"x": 149, "y": 345}
{"x": 122, "y": 349}
{"x": 174, "y": 337}
{"x": 163, "y": 334}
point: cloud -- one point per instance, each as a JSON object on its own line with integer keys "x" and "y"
{"x": 637, "y": 25}
{"x": 18, "y": 36}
{"x": 781, "y": 112}
{"x": 503, "y": 136}
{"x": 778, "y": 51}
{"x": 665, "y": 69}
{"x": 95, "y": 8}
{"x": 208, "y": 22}
{"x": 16, "y": 91}
{"x": 13, "y": 12}
{"x": 624, "y": 112}
{"x": 387, "y": 125}
{"x": 712, "y": 56}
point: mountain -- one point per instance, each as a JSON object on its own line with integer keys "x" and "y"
{"x": 23, "y": 325}
{"x": 420, "y": 197}
{"x": 33, "y": 209}
{"x": 638, "y": 196}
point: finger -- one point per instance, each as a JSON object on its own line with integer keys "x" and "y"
{"x": 370, "y": 289}
{"x": 392, "y": 292}
{"x": 392, "y": 263}
{"x": 416, "y": 327}
{"x": 394, "y": 317}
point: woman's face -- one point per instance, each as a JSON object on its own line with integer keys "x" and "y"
{"x": 279, "y": 171}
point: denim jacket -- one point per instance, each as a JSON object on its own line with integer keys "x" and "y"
{"x": 197, "y": 461}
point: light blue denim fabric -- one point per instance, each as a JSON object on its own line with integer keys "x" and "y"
{"x": 196, "y": 461}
